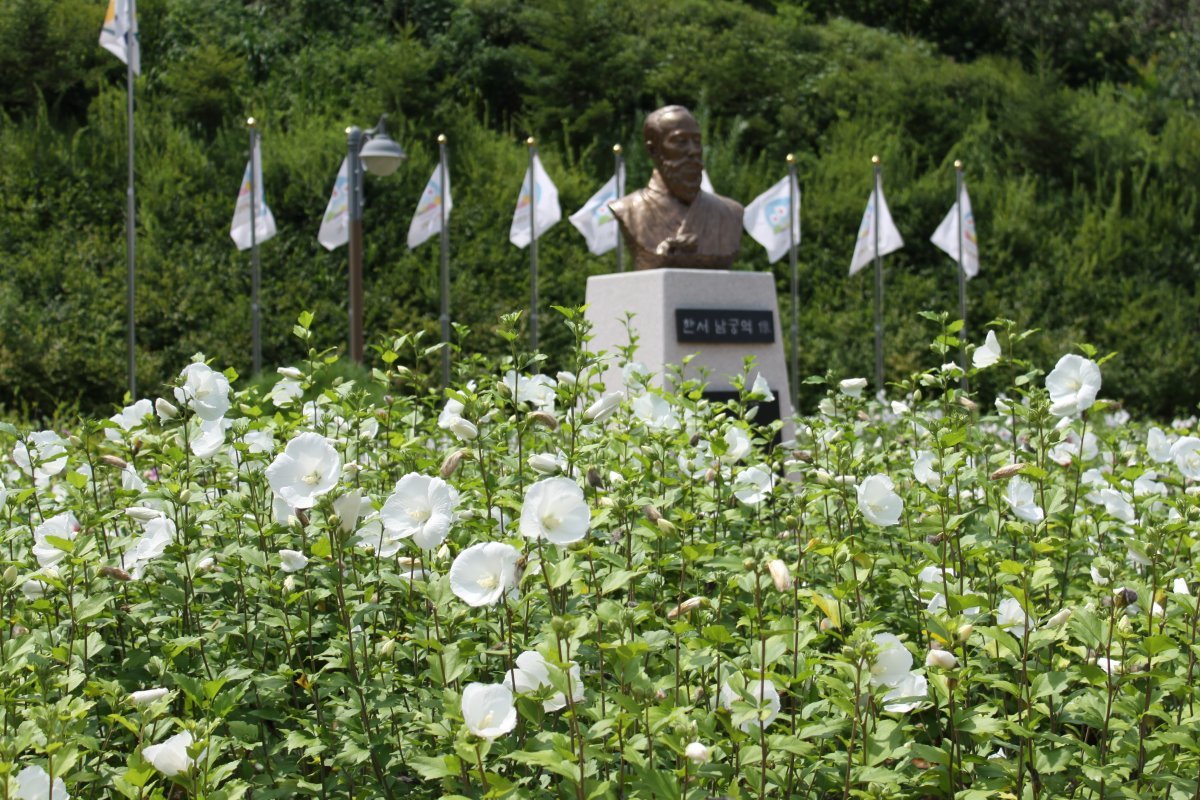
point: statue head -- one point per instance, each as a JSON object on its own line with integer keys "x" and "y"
{"x": 673, "y": 140}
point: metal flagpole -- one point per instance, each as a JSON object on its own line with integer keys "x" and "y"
{"x": 878, "y": 282}
{"x": 962, "y": 273}
{"x": 256, "y": 265}
{"x": 533, "y": 275}
{"x": 444, "y": 238}
{"x": 130, "y": 215}
{"x": 620, "y": 193}
{"x": 795, "y": 383}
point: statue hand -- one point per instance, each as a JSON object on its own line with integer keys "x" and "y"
{"x": 685, "y": 243}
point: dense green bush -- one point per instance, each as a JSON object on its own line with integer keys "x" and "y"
{"x": 1082, "y": 171}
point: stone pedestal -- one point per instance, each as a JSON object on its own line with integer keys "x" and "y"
{"x": 725, "y": 318}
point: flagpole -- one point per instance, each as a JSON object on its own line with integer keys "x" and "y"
{"x": 130, "y": 217}
{"x": 533, "y": 272}
{"x": 620, "y": 193}
{"x": 256, "y": 265}
{"x": 795, "y": 383}
{"x": 444, "y": 239}
{"x": 878, "y": 282}
{"x": 962, "y": 273}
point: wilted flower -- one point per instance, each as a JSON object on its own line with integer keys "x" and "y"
{"x": 488, "y": 709}
{"x": 988, "y": 353}
{"x": 1007, "y": 471}
{"x": 171, "y": 757}
{"x": 1073, "y": 385}
{"x": 483, "y": 572}
{"x": 655, "y": 412}
{"x": 1020, "y": 499}
{"x": 697, "y": 753}
{"x": 878, "y": 501}
{"x": 204, "y": 390}
{"x": 42, "y": 455}
{"x": 306, "y": 469}
{"x": 1012, "y": 617}
{"x": 763, "y": 695}
{"x": 753, "y": 485}
{"x": 924, "y": 472}
{"x": 554, "y": 509}
{"x": 61, "y": 526}
{"x": 1186, "y": 454}
{"x": 909, "y": 693}
{"x": 852, "y": 387}
{"x": 532, "y": 673}
{"x": 421, "y": 507}
{"x": 292, "y": 560}
{"x": 33, "y": 783}
{"x": 780, "y": 575}
{"x": 892, "y": 660}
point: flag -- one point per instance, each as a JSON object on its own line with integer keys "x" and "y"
{"x": 889, "y": 237}
{"x": 705, "y": 183}
{"x": 264, "y": 227}
{"x": 335, "y": 225}
{"x": 427, "y": 220}
{"x": 119, "y": 35}
{"x": 766, "y": 218}
{"x": 596, "y": 222}
{"x": 544, "y": 202}
{"x": 946, "y": 236}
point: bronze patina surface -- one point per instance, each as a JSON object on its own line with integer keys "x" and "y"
{"x": 672, "y": 222}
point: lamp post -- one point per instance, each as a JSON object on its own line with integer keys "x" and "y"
{"x": 376, "y": 152}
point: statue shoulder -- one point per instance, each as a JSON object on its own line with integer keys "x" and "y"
{"x": 731, "y": 206}
{"x": 629, "y": 204}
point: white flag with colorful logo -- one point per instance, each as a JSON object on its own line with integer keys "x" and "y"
{"x": 946, "y": 236}
{"x": 889, "y": 238}
{"x": 119, "y": 35}
{"x": 766, "y": 218}
{"x": 596, "y": 222}
{"x": 264, "y": 220}
{"x": 335, "y": 225}
{"x": 542, "y": 203}
{"x": 427, "y": 221}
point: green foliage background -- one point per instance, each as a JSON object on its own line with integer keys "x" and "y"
{"x": 1076, "y": 121}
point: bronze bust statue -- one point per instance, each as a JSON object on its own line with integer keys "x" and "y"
{"x": 672, "y": 222}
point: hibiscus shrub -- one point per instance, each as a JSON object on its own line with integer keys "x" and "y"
{"x": 535, "y": 586}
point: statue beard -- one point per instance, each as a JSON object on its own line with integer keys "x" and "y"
{"x": 682, "y": 176}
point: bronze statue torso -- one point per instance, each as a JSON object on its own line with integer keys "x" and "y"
{"x": 663, "y": 231}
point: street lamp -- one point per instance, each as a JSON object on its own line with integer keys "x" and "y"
{"x": 379, "y": 154}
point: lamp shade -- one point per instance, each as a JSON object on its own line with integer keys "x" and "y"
{"x": 381, "y": 155}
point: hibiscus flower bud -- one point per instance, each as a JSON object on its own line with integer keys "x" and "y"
{"x": 543, "y": 418}
{"x": 116, "y": 573}
{"x": 607, "y": 502}
{"x": 686, "y": 607}
{"x": 451, "y": 463}
{"x": 941, "y": 658}
{"x": 114, "y": 461}
{"x": 780, "y": 574}
{"x": 1007, "y": 471}
{"x": 10, "y": 575}
{"x": 166, "y": 410}
{"x": 665, "y": 526}
{"x": 965, "y": 632}
{"x": 1059, "y": 619}
{"x": 697, "y": 753}
{"x": 710, "y": 475}
{"x": 290, "y": 372}
{"x": 968, "y": 403}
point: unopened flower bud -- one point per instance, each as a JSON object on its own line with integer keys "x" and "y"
{"x": 290, "y": 372}
{"x": 1007, "y": 471}
{"x": 686, "y": 607}
{"x": 116, "y": 573}
{"x": 166, "y": 410}
{"x": 386, "y": 647}
{"x": 142, "y": 514}
{"x": 543, "y": 418}
{"x": 710, "y": 475}
{"x": 1059, "y": 619}
{"x": 607, "y": 502}
{"x": 544, "y": 463}
{"x": 941, "y": 658}
{"x": 665, "y": 526}
{"x": 968, "y": 403}
{"x": 185, "y": 496}
{"x": 780, "y": 574}
{"x": 74, "y": 441}
{"x": 10, "y": 575}
{"x": 697, "y": 753}
{"x": 965, "y": 632}
{"x": 451, "y": 463}
{"x": 114, "y": 461}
